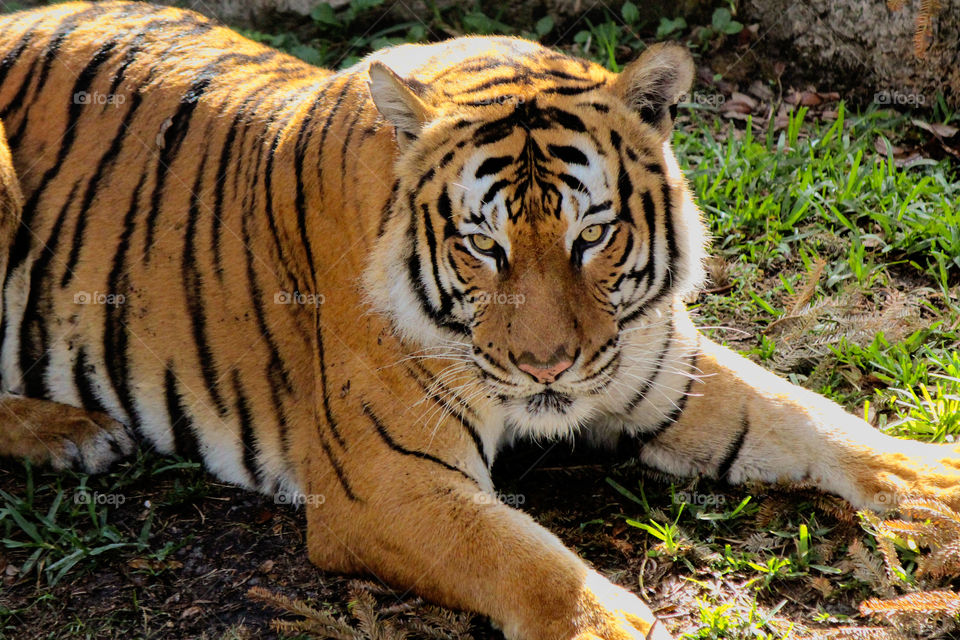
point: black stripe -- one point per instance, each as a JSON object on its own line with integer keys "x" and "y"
{"x": 116, "y": 335}
{"x": 446, "y": 303}
{"x": 492, "y": 82}
{"x": 653, "y": 167}
{"x": 609, "y": 344}
{"x": 395, "y": 446}
{"x": 267, "y": 192}
{"x": 641, "y": 393}
{"x": 106, "y": 161}
{"x": 733, "y": 452}
{"x": 492, "y": 166}
{"x": 388, "y": 208}
{"x": 39, "y": 68}
{"x": 597, "y": 106}
{"x": 670, "y": 419}
{"x": 597, "y": 208}
{"x": 300, "y": 150}
{"x": 565, "y": 119}
{"x": 477, "y": 67}
{"x": 627, "y": 250}
{"x": 624, "y": 191}
{"x": 567, "y": 90}
{"x": 573, "y": 183}
{"x": 331, "y": 423}
{"x": 609, "y": 364}
{"x": 216, "y": 223}
{"x": 251, "y": 448}
{"x": 22, "y": 239}
{"x": 414, "y": 275}
{"x": 650, "y": 220}
{"x": 63, "y": 29}
{"x": 328, "y": 122}
{"x": 457, "y": 415}
{"x": 345, "y": 149}
{"x": 173, "y": 137}
{"x": 338, "y": 470}
{"x": 568, "y": 154}
{"x": 277, "y": 375}
{"x": 426, "y": 177}
{"x": 325, "y": 394}
{"x": 13, "y": 55}
{"x": 193, "y": 292}
{"x": 495, "y": 131}
{"x": 494, "y": 189}
{"x": 34, "y": 336}
{"x": 445, "y": 160}
{"x": 185, "y": 441}
{"x": 672, "y": 251}
{"x": 82, "y": 370}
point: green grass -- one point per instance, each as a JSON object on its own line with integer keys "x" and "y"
{"x": 63, "y": 523}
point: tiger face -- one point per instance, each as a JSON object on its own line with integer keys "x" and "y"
{"x": 538, "y": 228}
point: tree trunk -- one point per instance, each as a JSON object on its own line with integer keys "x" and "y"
{"x": 863, "y": 45}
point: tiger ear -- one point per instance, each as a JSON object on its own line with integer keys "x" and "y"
{"x": 653, "y": 83}
{"x": 398, "y": 102}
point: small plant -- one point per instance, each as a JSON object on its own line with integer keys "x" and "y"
{"x": 64, "y": 534}
{"x": 672, "y": 541}
{"x": 921, "y": 556}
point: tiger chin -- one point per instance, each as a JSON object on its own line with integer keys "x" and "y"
{"x": 359, "y": 285}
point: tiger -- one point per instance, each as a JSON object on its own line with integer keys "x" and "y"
{"x": 353, "y": 288}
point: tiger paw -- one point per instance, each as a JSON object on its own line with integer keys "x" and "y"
{"x": 921, "y": 471}
{"x": 609, "y": 612}
{"x": 94, "y": 443}
{"x": 62, "y": 436}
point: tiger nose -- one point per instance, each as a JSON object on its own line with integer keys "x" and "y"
{"x": 542, "y": 372}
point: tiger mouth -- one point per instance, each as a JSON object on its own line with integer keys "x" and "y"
{"x": 549, "y": 401}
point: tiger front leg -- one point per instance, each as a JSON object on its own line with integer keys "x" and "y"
{"x": 742, "y": 422}
{"x": 432, "y": 531}
{"x": 61, "y": 436}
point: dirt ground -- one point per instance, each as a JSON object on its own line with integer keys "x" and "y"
{"x": 235, "y": 540}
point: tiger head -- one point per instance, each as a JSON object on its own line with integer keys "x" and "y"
{"x": 538, "y": 214}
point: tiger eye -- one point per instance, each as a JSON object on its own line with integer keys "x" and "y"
{"x": 592, "y": 233}
{"x": 482, "y": 243}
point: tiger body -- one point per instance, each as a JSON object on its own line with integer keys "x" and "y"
{"x": 355, "y": 287}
